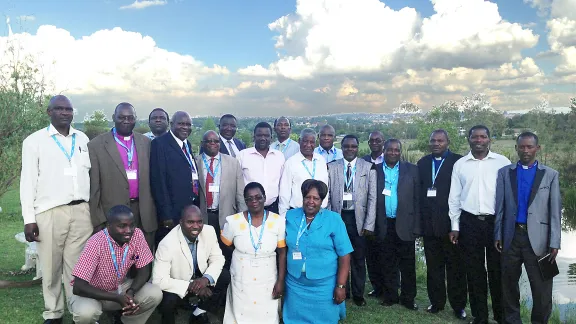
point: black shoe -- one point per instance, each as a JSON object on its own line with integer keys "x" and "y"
{"x": 117, "y": 318}
{"x": 388, "y": 303}
{"x": 359, "y": 301}
{"x": 410, "y": 306}
{"x": 53, "y": 321}
{"x": 374, "y": 293}
{"x": 200, "y": 319}
{"x": 478, "y": 321}
{"x": 433, "y": 309}
{"x": 460, "y": 314}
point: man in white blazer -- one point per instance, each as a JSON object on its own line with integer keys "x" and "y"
{"x": 189, "y": 263}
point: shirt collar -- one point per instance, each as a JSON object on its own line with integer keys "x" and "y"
{"x": 207, "y": 157}
{"x": 444, "y": 155}
{"x": 527, "y": 167}
{"x": 380, "y": 157}
{"x": 396, "y": 166}
{"x": 330, "y": 151}
{"x": 252, "y": 150}
{"x": 52, "y": 131}
{"x": 352, "y": 163}
{"x": 491, "y": 155}
{"x": 187, "y": 240}
{"x": 120, "y": 137}
{"x": 179, "y": 141}
{"x": 285, "y": 142}
{"x": 226, "y": 141}
{"x": 302, "y": 157}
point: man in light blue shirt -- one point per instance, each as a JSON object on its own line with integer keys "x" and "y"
{"x": 327, "y": 148}
{"x": 284, "y": 144}
{"x": 391, "y": 175}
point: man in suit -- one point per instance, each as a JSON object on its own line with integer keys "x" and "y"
{"x": 527, "y": 228}
{"x": 352, "y": 184}
{"x": 189, "y": 264}
{"x": 443, "y": 262}
{"x": 228, "y": 144}
{"x": 222, "y": 186}
{"x": 376, "y": 144}
{"x": 173, "y": 173}
{"x": 158, "y": 123}
{"x": 397, "y": 225}
{"x": 120, "y": 173}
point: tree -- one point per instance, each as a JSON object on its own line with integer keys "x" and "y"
{"x": 477, "y": 110}
{"x": 209, "y": 124}
{"x": 95, "y": 124}
{"x": 23, "y": 102}
{"x": 445, "y": 116}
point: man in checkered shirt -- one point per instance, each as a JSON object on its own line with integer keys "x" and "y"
{"x": 100, "y": 282}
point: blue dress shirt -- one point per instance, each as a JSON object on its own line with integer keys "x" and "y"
{"x": 391, "y": 183}
{"x": 331, "y": 155}
{"x": 193, "y": 249}
{"x": 524, "y": 180}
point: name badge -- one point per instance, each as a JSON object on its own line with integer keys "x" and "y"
{"x": 194, "y": 176}
{"x": 255, "y": 263}
{"x": 347, "y": 196}
{"x": 70, "y": 171}
{"x": 132, "y": 174}
{"x": 296, "y": 255}
{"x": 387, "y": 192}
{"x": 212, "y": 187}
{"x": 127, "y": 138}
{"x": 431, "y": 192}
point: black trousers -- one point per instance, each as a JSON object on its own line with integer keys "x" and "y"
{"x": 445, "y": 269}
{"x": 357, "y": 257}
{"x": 214, "y": 221}
{"x": 273, "y": 207}
{"x": 398, "y": 255}
{"x": 170, "y": 301}
{"x": 520, "y": 252}
{"x": 477, "y": 246}
{"x": 375, "y": 274}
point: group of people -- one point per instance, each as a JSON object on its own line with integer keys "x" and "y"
{"x": 284, "y": 230}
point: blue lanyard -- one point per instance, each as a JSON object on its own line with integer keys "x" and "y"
{"x": 68, "y": 156}
{"x": 313, "y": 173}
{"x": 285, "y": 147}
{"x": 349, "y": 181}
{"x": 435, "y": 172}
{"x": 259, "y": 244}
{"x": 320, "y": 150}
{"x": 188, "y": 155}
{"x": 301, "y": 230}
{"x": 129, "y": 152}
{"x": 207, "y": 165}
{"x": 392, "y": 180}
{"x": 113, "y": 253}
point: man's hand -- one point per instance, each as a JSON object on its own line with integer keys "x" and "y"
{"x": 168, "y": 224}
{"x": 278, "y": 290}
{"x": 339, "y": 295}
{"x": 129, "y": 306}
{"x": 498, "y": 245}
{"x": 367, "y": 233}
{"x": 205, "y": 293}
{"x": 553, "y": 254}
{"x": 98, "y": 228}
{"x": 31, "y": 232}
{"x": 198, "y": 284}
{"x": 454, "y": 237}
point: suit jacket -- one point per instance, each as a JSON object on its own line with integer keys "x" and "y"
{"x": 408, "y": 214}
{"x": 174, "y": 266}
{"x": 364, "y": 192}
{"x": 231, "y": 188}
{"x": 544, "y": 209}
{"x": 434, "y": 210}
{"x": 109, "y": 182}
{"x": 171, "y": 178}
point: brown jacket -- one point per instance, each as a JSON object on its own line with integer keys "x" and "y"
{"x": 109, "y": 182}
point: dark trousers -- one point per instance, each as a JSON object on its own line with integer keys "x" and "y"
{"x": 373, "y": 261}
{"x": 477, "y": 246}
{"x": 357, "y": 257}
{"x": 445, "y": 269}
{"x": 214, "y": 221}
{"x": 398, "y": 255}
{"x": 170, "y": 301}
{"x": 520, "y": 252}
{"x": 148, "y": 236}
{"x": 273, "y": 207}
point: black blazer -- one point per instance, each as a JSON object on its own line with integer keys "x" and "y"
{"x": 434, "y": 211}
{"x": 408, "y": 213}
{"x": 170, "y": 178}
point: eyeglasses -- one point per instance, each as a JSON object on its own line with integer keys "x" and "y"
{"x": 126, "y": 118}
{"x": 213, "y": 141}
{"x": 253, "y": 198}
{"x": 350, "y": 146}
{"x": 375, "y": 141}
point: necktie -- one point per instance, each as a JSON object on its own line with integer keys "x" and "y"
{"x": 232, "y": 153}
{"x": 195, "y": 184}
{"x": 348, "y": 188}
{"x": 209, "y": 180}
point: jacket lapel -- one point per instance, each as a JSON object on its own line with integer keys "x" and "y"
{"x": 514, "y": 183}
{"x": 536, "y": 184}
{"x": 200, "y": 164}
{"x": 402, "y": 173}
{"x": 175, "y": 146}
{"x": 223, "y": 147}
{"x": 202, "y": 246}
{"x": 112, "y": 149}
{"x": 141, "y": 153}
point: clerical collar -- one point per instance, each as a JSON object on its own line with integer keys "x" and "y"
{"x": 526, "y": 167}
{"x": 444, "y": 155}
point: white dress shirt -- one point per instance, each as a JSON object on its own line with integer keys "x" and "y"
{"x": 294, "y": 175}
{"x": 473, "y": 186}
{"x": 332, "y": 154}
{"x": 291, "y": 147}
{"x": 48, "y": 179}
{"x": 379, "y": 159}
{"x": 350, "y": 204}
{"x": 232, "y": 143}
{"x": 217, "y": 171}
{"x": 265, "y": 170}
{"x": 180, "y": 143}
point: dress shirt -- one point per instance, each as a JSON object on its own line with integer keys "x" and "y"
{"x": 232, "y": 143}
{"x": 379, "y": 159}
{"x": 180, "y": 143}
{"x": 332, "y": 154}
{"x": 349, "y": 204}
{"x": 132, "y": 183}
{"x": 265, "y": 170}
{"x": 473, "y": 186}
{"x": 294, "y": 175}
{"x": 48, "y": 179}
{"x": 525, "y": 175}
{"x": 217, "y": 176}
{"x": 194, "y": 251}
{"x": 391, "y": 183}
{"x": 289, "y": 149}
{"x": 150, "y": 135}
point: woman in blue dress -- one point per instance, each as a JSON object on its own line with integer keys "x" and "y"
{"x": 318, "y": 261}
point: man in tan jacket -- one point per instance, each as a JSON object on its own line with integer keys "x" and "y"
{"x": 189, "y": 263}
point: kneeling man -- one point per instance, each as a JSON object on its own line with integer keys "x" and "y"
{"x": 100, "y": 282}
{"x": 189, "y": 263}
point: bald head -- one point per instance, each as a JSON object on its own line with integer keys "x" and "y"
{"x": 191, "y": 222}
{"x": 124, "y": 118}
{"x": 181, "y": 125}
{"x": 58, "y": 100}
{"x": 327, "y": 136}
{"x": 208, "y": 134}
{"x": 61, "y": 113}
{"x": 123, "y": 105}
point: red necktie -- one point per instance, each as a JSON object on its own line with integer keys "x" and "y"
{"x": 209, "y": 180}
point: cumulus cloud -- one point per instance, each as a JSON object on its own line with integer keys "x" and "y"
{"x": 141, "y": 4}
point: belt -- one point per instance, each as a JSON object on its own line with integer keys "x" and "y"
{"x": 214, "y": 211}
{"x": 522, "y": 226}
{"x": 479, "y": 217}
{"x": 76, "y": 202}
{"x": 134, "y": 199}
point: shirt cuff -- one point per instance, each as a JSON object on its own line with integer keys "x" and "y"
{"x": 209, "y": 277}
{"x": 456, "y": 224}
{"x": 29, "y": 218}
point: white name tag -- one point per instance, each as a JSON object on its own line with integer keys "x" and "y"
{"x": 213, "y": 187}
{"x": 132, "y": 174}
{"x": 296, "y": 255}
{"x": 387, "y": 192}
{"x": 70, "y": 171}
{"x": 127, "y": 138}
{"x": 347, "y": 196}
{"x": 194, "y": 176}
{"x": 431, "y": 192}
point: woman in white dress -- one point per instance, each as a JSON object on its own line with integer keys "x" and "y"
{"x": 257, "y": 280}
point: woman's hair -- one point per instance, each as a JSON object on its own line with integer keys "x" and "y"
{"x": 310, "y": 184}
{"x": 254, "y": 185}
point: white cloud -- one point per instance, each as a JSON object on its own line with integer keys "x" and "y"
{"x": 141, "y": 4}
{"x": 26, "y": 18}
{"x": 563, "y": 8}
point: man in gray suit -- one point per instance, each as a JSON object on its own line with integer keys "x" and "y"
{"x": 397, "y": 225}
{"x": 527, "y": 228}
{"x": 221, "y": 184}
{"x": 352, "y": 184}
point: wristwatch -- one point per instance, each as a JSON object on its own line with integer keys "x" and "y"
{"x": 341, "y": 286}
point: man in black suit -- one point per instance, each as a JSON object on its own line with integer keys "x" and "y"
{"x": 173, "y": 173}
{"x": 228, "y": 144}
{"x": 397, "y": 224}
{"x": 443, "y": 262}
